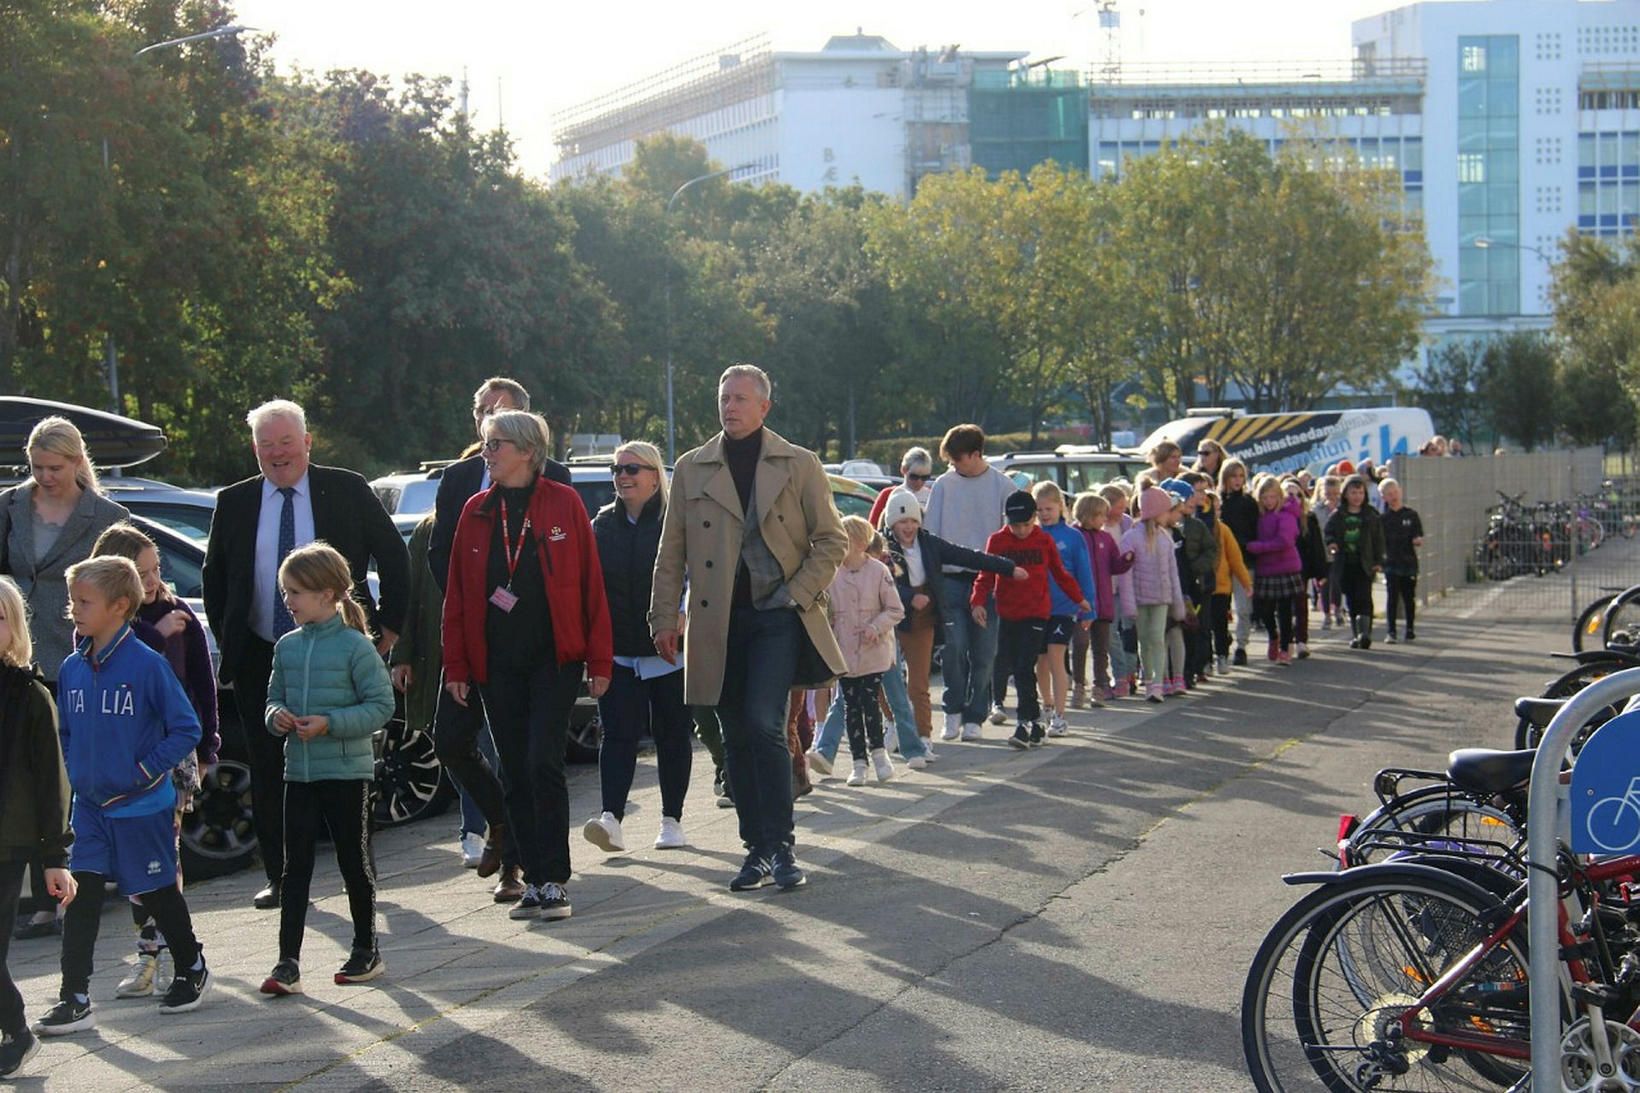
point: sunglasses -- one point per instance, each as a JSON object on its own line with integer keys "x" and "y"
{"x": 918, "y": 477}
{"x": 494, "y": 443}
{"x": 632, "y": 469}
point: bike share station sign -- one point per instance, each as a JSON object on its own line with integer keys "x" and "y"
{"x": 1605, "y": 796}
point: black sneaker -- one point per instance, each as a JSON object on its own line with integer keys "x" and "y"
{"x": 1038, "y": 734}
{"x": 1021, "y": 738}
{"x": 554, "y": 901}
{"x": 528, "y": 905}
{"x": 362, "y": 966}
{"x": 755, "y": 873}
{"x": 1240, "y": 657}
{"x": 286, "y": 978}
{"x": 187, "y": 990}
{"x": 787, "y": 873}
{"x": 17, "y": 1050}
{"x": 1410, "y": 635}
{"x": 65, "y": 1017}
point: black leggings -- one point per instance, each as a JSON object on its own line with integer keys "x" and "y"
{"x": 83, "y": 919}
{"x": 1219, "y": 608}
{"x": 862, "y": 716}
{"x": 1274, "y": 613}
{"x": 11, "y": 1001}
{"x": 342, "y": 804}
{"x": 1403, "y": 589}
{"x": 1358, "y": 591}
{"x": 629, "y": 709}
{"x": 1020, "y": 643}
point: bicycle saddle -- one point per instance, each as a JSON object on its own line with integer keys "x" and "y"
{"x": 1483, "y": 770}
{"x": 1538, "y": 711}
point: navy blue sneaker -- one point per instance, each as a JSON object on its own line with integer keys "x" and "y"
{"x": 787, "y": 873}
{"x": 755, "y": 873}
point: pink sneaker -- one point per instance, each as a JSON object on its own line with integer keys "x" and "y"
{"x": 1119, "y": 691}
{"x": 1166, "y": 686}
{"x": 1153, "y": 693}
{"x": 1284, "y": 657}
{"x": 1180, "y": 687}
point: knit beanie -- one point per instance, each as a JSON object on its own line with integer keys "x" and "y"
{"x": 902, "y": 505}
{"x": 1154, "y": 502}
{"x": 1181, "y": 490}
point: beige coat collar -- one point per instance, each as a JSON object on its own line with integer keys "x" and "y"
{"x": 774, "y": 471}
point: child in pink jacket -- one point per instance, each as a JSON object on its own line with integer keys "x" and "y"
{"x": 865, "y": 609}
{"x": 1093, "y": 515}
{"x": 1124, "y": 641}
{"x": 1278, "y": 573}
{"x": 1156, "y": 589}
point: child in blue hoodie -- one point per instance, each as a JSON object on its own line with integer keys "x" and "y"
{"x": 125, "y": 724}
{"x": 1053, "y": 676}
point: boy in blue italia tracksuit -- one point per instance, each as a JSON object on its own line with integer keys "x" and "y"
{"x": 125, "y": 723}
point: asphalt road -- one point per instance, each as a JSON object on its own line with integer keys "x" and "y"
{"x": 1076, "y": 917}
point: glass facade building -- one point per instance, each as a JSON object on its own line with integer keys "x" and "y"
{"x": 1488, "y": 172}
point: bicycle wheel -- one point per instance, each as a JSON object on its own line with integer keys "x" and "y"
{"x": 1588, "y": 631}
{"x": 1337, "y": 972}
{"x": 1620, "y": 625}
{"x": 1527, "y": 734}
{"x": 1424, "y": 819}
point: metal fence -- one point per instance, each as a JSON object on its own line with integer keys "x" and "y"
{"x": 1541, "y": 517}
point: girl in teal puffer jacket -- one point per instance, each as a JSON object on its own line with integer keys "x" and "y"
{"x": 328, "y": 695}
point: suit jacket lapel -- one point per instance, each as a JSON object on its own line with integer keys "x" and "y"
{"x": 774, "y": 470}
{"x": 720, "y": 482}
{"x": 22, "y": 531}
{"x": 74, "y": 528}
{"x": 322, "y": 503}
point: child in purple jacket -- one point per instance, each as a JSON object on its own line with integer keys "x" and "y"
{"x": 1278, "y": 577}
{"x": 1091, "y": 513}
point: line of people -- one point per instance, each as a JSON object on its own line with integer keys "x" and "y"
{"x": 714, "y": 608}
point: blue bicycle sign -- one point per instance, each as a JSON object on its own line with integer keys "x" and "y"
{"x": 1605, "y": 790}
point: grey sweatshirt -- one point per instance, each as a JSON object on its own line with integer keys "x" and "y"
{"x": 966, "y": 511}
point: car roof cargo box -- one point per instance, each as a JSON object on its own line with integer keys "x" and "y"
{"x": 111, "y": 440}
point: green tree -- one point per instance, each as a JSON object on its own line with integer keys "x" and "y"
{"x": 1448, "y": 385}
{"x": 1592, "y": 404}
{"x": 1519, "y": 388}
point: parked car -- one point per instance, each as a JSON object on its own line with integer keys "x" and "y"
{"x": 852, "y": 498}
{"x": 411, "y": 493}
{"x": 1072, "y": 467}
{"x": 182, "y": 510}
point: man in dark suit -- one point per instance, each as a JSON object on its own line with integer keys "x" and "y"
{"x": 456, "y": 728}
{"x": 256, "y": 523}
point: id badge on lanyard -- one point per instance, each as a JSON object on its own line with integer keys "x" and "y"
{"x": 503, "y": 597}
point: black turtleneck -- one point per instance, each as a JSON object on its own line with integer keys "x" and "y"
{"x": 742, "y": 456}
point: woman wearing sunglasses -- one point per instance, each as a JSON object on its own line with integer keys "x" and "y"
{"x": 917, "y": 468}
{"x": 645, "y": 695}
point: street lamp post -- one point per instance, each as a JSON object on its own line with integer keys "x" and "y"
{"x": 1485, "y": 243}
{"x": 666, "y": 296}
{"x": 111, "y": 356}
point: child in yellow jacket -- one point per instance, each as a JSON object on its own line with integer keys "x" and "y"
{"x": 1231, "y": 567}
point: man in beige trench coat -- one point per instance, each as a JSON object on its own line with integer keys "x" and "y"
{"x": 753, "y": 528}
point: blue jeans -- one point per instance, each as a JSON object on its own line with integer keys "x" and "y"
{"x": 899, "y": 704}
{"x": 1122, "y": 662}
{"x": 970, "y": 653}
{"x": 760, "y": 664}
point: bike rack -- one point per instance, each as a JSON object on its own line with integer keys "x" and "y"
{"x": 1543, "y": 800}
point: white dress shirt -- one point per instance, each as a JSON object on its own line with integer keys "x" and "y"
{"x": 267, "y": 548}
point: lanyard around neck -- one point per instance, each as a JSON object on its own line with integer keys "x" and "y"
{"x": 513, "y": 555}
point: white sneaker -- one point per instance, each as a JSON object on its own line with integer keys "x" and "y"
{"x": 882, "y": 764}
{"x": 140, "y": 983}
{"x": 999, "y": 716}
{"x": 671, "y": 836}
{"x": 472, "y": 849}
{"x": 928, "y": 750}
{"x": 1058, "y": 727}
{"x": 817, "y": 762}
{"x": 953, "y": 727}
{"x": 970, "y": 731}
{"x": 917, "y": 762}
{"x": 1222, "y": 666}
{"x": 604, "y": 832}
{"x": 858, "y": 778}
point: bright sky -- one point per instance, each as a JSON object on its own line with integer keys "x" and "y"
{"x": 527, "y": 60}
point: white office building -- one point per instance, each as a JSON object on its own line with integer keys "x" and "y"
{"x": 859, "y": 110}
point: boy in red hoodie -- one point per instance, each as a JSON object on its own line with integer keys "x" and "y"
{"x": 1024, "y": 606}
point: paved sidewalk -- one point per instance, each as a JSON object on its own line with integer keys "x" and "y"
{"x": 1078, "y": 916}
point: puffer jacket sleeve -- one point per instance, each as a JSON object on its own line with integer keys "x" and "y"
{"x": 371, "y": 686}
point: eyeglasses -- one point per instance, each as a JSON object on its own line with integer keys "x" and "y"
{"x": 914, "y": 477}
{"x": 632, "y": 469}
{"x": 494, "y": 443}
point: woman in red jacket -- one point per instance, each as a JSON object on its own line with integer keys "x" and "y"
{"x": 524, "y": 615}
